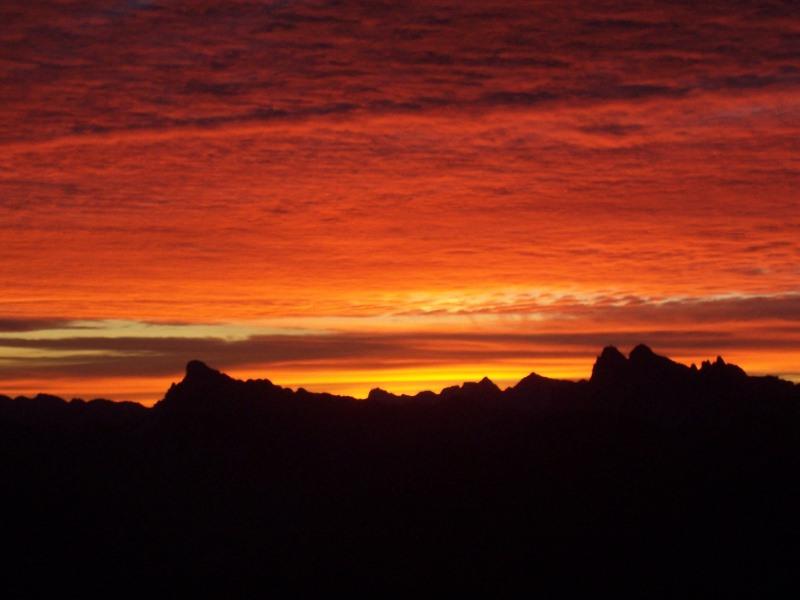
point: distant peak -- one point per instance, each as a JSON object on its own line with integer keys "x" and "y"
{"x": 196, "y": 368}
{"x": 202, "y": 386}
{"x": 530, "y": 379}
{"x": 483, "y": 388}
{"x": 485, "y": 384}
{"x": 200, "y": 372}
{"x": 719, "y": 362}
{"x": 641, "y": 351}
{"x": 378, "y": 394}
{"x": 610, "y": 365}
{"x": 611, "y": 353}
{"x": 196, "y": 365}
{"x": 720, "y": 368}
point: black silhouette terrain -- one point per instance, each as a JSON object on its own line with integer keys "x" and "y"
{"x": 650, "y": 475}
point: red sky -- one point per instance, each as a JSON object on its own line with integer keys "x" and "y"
{"x": 406, "y": 194}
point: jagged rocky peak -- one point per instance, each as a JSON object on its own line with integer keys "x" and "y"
{"x": 610, "y": 365}
{"x": 642, "y": 357}
{"x": 531, "y": 377}
{"x": 379, "y": 394}
{"x": 487, "y": 383}
{"x": 197, "y": 370}
{"x": 611, "y": 354}
{"x": 719, "y": 368}
{"x": 642, "y": 353}
{"x": 641, "y": 365}
{"x": 199, "y": 373}
{"x": 199, "y": 384}
{"x": 484, "y": 386}
{"x": 534, "y": 381}
{"x": 718, "y": 363}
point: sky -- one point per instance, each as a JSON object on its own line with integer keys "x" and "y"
{"x": 341, "y": 195}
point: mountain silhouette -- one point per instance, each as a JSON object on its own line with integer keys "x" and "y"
{"x": 652, "y": 470}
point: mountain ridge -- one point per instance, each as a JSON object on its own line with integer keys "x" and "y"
{"x": 648, "y": 467}
{"x": 612, "y": 372}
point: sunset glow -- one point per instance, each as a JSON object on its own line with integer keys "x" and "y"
{"x": 347, "y": 195}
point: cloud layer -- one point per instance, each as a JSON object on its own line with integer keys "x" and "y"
{"x": 628, "y": 164}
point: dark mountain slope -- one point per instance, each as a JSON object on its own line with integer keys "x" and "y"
{"x": 649, "y": 475}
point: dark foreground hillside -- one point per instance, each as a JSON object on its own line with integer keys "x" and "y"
{"x": 652, "y": 476}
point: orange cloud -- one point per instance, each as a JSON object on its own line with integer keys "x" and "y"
{"x": 433, "y": 167}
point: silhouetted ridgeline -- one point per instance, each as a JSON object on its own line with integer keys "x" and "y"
{"x": 649, "y": 473}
